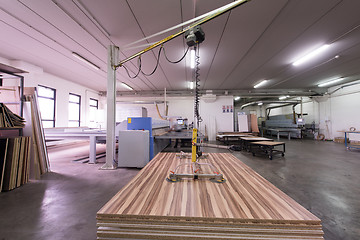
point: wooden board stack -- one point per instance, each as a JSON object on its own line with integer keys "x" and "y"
{"x": 14, "y": 162}
{"x": 8, "y": 119}
{"x": 40, "y": 155}
{"x": 246, "y": 206}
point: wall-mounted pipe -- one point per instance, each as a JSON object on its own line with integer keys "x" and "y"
{"x": 269, "y": 102}
{"x": 344, "y": 86}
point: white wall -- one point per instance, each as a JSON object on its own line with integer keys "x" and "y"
{"x": 211, "y": 112}
{"x": 63, "y": 87}
{"x": 343, "y": 109}
{"x": 213, "y": 117}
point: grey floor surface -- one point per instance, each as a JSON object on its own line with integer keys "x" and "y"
{"x": 322, "y": 176}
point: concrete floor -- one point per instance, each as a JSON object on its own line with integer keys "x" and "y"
{"x": 321, "y": 176}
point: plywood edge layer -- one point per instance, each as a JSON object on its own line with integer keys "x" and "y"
{"x": 193, "y": 220}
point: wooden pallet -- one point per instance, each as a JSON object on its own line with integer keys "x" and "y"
{"x": 246, "y": 206}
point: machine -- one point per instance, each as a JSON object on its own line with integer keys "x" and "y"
{"x": 194, "y": 37}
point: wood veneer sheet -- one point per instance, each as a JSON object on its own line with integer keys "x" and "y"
{"x": 246, "y": 206}
{"x": 244, "y": 195}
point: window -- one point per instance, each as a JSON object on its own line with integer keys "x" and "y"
{"x": 46, "y": 97}
{"x": 74, "y": 110}
{"x": 94, "y": 106}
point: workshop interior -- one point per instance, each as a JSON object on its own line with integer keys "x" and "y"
{"x": 183, "y": 119}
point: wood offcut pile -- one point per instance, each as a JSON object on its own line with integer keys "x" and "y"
{"x": 246, "y": 206}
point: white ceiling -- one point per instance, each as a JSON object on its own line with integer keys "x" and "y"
{"x": 258, "y": 40}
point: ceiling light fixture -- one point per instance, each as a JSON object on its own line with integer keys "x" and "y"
{"x": 237, "y": 98}
{"x": 260, "y": 103}
{"x": 81, "y": 58}
{"x": 284, "y": 97}
{"x": 330, "y": 82}
{"x": 126, "y": 86}
{"x": 260, "y": 83}
{"x": 192, "y": 58}
{"x": 191, "y": 85}
{"x": 311, "y": 55}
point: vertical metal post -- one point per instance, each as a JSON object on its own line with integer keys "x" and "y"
{"x": 301, "y": 106}
{"x": 21, "y": 96}
{"x": 165, "y": 104}
{"x": 113, "y": 55}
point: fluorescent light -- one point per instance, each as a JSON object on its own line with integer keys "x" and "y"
{"x": 283, "y": 97}
{"x": 260, "y": 83}
{"x": 237, "y": 98}
{"x": 260, "y": 103}
{"x": 126, "y": 86}
{"x": 311, "y": 55}
{"x": 191, "y": 85}
{"x": 330, "y": 82}
{"x": 81, "y": 58}
{"x": 192, "y": 58}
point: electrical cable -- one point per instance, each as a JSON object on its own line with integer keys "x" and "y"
{"x": 137, "y": 74}
{"x": 157, "y": 63}
{"x": 197, "y": 84}
{"x": 177, "y": 60}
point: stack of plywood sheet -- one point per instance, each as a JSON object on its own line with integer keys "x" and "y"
{"x": 40, "y": 159}
{"x": 14, "y": 162}
{"x": 246, "y": 206}
{"x": 8, "y": 119}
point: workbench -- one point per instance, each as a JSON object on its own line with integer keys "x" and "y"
{"x": 245, "y": 141}
{"x": 350, "y": 146}
{"x": 227, "y": 138}
{"x": 245, "y": 206}
{"x": 267, "y": 147}
{"x": 94, "y": 136}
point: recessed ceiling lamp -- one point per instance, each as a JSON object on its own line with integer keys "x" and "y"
{"x": 284, "y": 97}
{"x": 81, "y": 58}
{"x": 192, "y": 58}
{"x": 126, "y": 86}
{"x": 260, "y": 83}
{"x": 191, "y": 85}
{"x": 331, "y": 82}
{"x": 311, "y": 55}
{"x": 237, "y": 98}
{"x": 260, "y": 103}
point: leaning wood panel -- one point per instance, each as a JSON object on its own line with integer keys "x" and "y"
{"x": 245, "y": 198}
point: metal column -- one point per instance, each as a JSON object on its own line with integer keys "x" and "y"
{"x": 113, "y": 55}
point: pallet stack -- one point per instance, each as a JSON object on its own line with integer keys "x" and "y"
{"x": 14, "y": 162}
{"x": 246, "y": 206}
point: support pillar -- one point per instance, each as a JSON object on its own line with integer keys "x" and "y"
{"x": 113, "y": 59}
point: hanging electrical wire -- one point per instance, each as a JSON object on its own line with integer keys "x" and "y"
{"x": 177, "y": 60}
{"x": 157, "y": 63}
{"x": 139, "y": 69}
{"x": 197, "y": 84}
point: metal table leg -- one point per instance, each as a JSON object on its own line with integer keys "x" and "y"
{"x": 92, "y": 149}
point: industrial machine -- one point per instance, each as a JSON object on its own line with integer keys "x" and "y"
{"x": 194, "y": 37}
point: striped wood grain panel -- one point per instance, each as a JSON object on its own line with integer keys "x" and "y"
{"x": 245, "y": 197}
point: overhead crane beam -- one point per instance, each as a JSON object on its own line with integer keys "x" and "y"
{"x": 220, "y": 11}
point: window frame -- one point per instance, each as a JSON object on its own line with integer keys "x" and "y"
{"x": 79, "y": 103}
{"x": 92, "y": 122}
{"x": 54, "y": 99}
